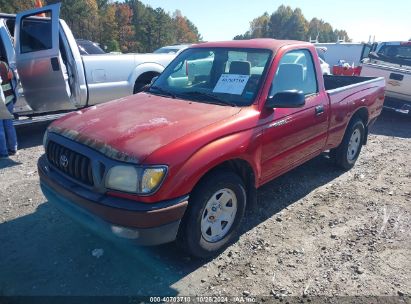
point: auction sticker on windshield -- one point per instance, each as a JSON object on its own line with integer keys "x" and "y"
{"x": 231, "y": 84}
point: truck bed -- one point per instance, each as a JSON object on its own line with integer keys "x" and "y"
{"x": 348, "y": 93}
{"x": 332, "y": 82}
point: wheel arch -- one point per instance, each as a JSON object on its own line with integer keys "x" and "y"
{"x": 144, "y": 78}
{"x": 143, "y": 72}
{"x": 243, "y": 169}
{"x": 362, "y": 113}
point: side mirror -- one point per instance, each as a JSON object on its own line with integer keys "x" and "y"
{"x": 286, "y": 99}
{"x": 373, "y": 55}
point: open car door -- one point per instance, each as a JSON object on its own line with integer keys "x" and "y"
{"x": 41, "y": 70}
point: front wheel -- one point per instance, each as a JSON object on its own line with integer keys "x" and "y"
{"x": 346, "y": 154}
{"x": 215, "y": 211}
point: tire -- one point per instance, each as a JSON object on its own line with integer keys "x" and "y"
{"x": 346, "y": 154}
{"x": 217, "y": 196}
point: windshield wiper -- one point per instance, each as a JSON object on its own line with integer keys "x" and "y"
{"x": 212, "y": 97}
{"x": 162, "y": 91}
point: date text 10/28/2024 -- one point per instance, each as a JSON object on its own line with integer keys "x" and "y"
{"x": 203, "y": 299}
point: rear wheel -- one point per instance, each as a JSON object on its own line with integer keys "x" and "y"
{"x": 216, "y": 209}
{"x": 346, "y": 154}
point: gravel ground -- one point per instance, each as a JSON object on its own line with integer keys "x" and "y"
{"x": 315, "y": 231}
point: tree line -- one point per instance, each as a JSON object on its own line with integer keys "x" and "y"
{"x": 286, "y": 23}
{"x": 131, "y": 26}
{"x": 128, "y": 26}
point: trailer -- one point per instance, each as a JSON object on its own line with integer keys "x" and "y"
{"x": 350, "y": 52}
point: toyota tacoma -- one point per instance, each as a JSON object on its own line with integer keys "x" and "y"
{"x": 182, "y": 160}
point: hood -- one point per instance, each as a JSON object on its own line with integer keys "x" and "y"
{"x": 131, "y": 128}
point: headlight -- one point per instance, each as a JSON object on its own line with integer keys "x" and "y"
{"x": 151, "y": 179}
{"x": 123, "y": 178}
{"x": 133, "y": 179}
{"x": 46, "y": 133}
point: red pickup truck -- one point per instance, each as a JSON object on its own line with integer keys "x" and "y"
{"x": 184, "y": 158}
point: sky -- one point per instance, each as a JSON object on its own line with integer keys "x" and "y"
{"x": 224, "y": 19}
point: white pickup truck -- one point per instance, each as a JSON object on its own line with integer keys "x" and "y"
{"x": 392, "y": 60}
{"x": 51, "y": 74}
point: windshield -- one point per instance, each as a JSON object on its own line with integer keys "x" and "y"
{"x": 228, "y": 76}
{"x": 399, "y": 53}
{"x": 89, "y": 48}
{"x": 165, "y": 50}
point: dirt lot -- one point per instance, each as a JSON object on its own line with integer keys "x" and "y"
{"x": 316, "y": 231}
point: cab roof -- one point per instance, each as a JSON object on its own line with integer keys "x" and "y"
{"x": 260, "y": 43}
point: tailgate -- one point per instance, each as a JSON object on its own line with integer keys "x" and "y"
{"x": 398, "y": 80}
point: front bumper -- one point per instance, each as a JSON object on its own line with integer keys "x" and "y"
{"x": 145, "y": 224}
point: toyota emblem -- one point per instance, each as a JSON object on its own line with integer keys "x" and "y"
{"x": 63, "y": 161}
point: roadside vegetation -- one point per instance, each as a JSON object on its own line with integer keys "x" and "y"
{"x": 132, "y": 26}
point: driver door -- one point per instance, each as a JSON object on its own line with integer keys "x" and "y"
{"x": 294, "y": 135}
{"x": 42, "y": 73}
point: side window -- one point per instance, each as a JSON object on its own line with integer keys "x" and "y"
{"x": 366, "y": 51}
{"x": 10, "y": 23}
{"x": 36, "y": 35}
{"x": 295, "y": 72}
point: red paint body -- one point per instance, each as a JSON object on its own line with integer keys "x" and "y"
{"x": 191, "y": 138}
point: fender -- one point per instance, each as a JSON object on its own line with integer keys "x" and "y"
{"x": 141, "y": 69}
{"x": 360, "y": 103}
{"x": 244, "y": 146}
{"x": 337, "y": 138}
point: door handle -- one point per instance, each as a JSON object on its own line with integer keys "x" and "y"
{"x": 319, "y": 110}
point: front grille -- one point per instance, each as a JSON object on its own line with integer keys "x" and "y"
{"x": 70, "y": 162}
